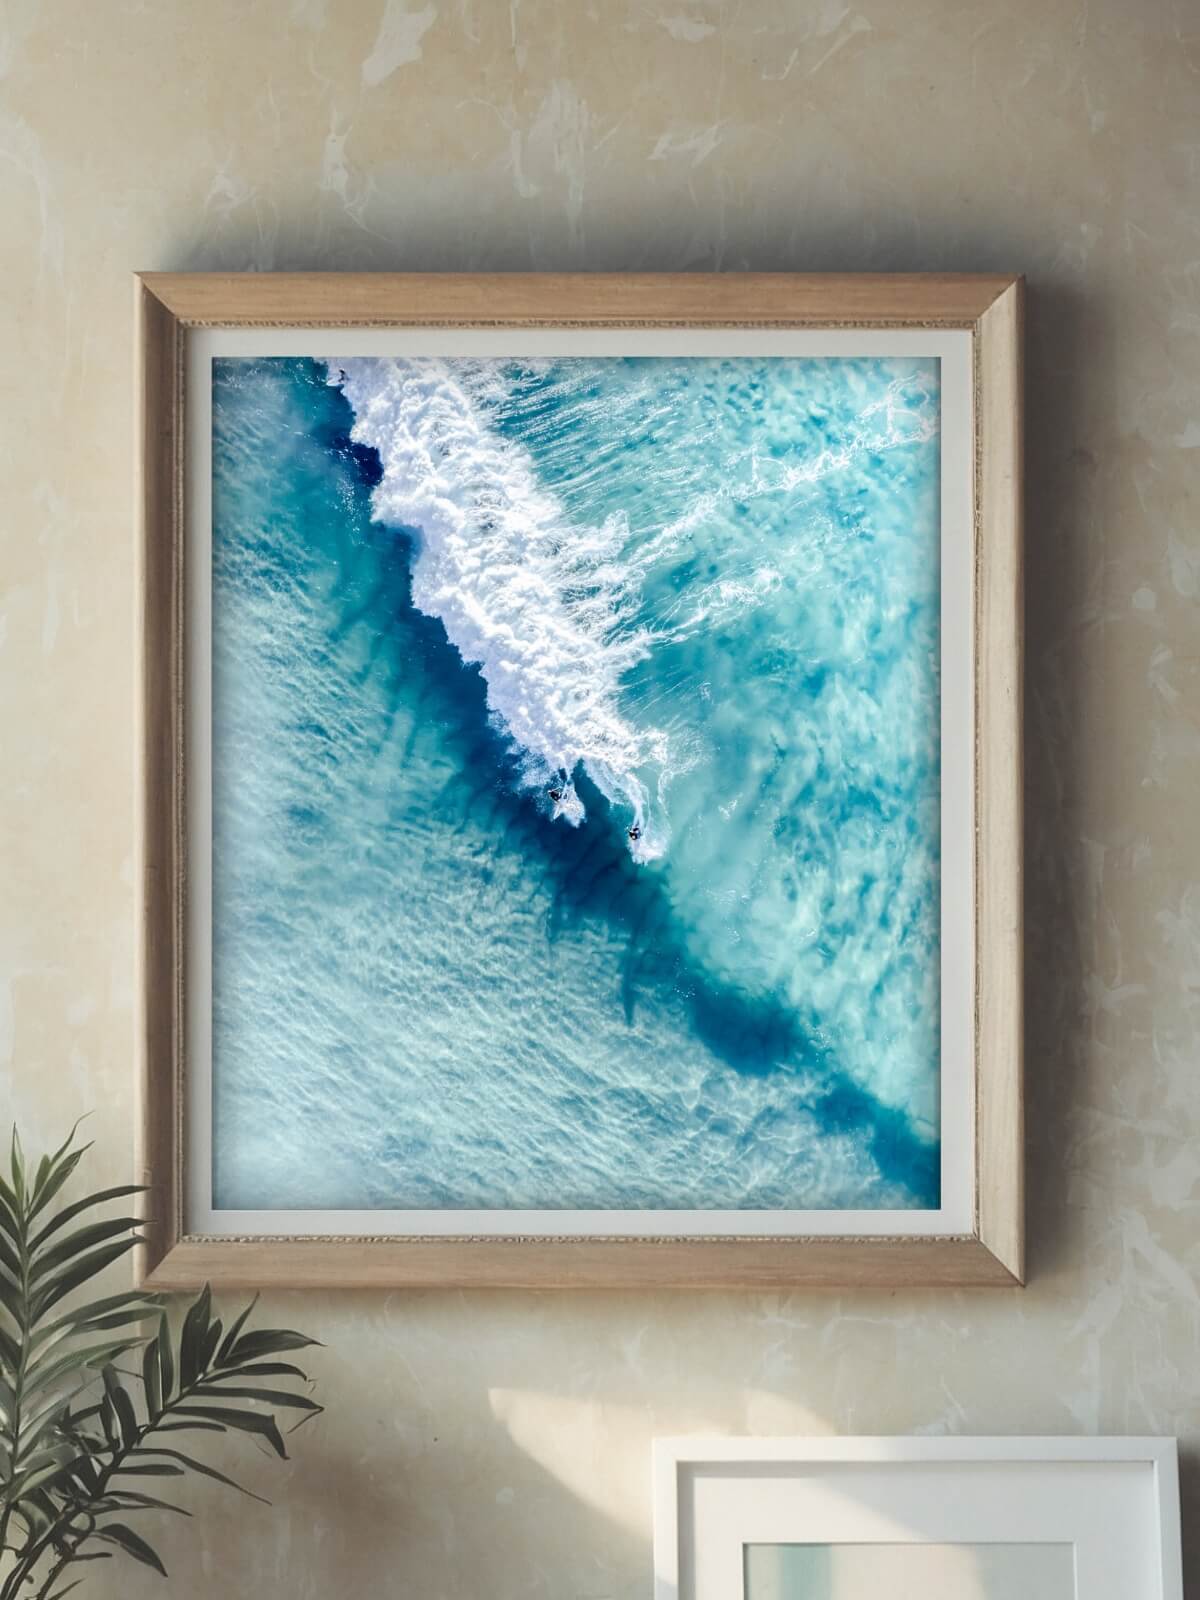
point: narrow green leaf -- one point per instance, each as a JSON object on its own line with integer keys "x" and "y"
{"x": 17, "y": 1167}
{"x": 37, "y": 1511}
{"x": 70, "y": 1139}
{"x": 258, "y": 1369}
{"x": 266, "y": 1342}
{"x": 85, "y": 1469}
{"x": 76, "y": 1419}
{"x": 44, "y": 1373}
{"x": 59, "y": 1593}
{"x": 43, "y": 1477}
{"x": 239, "y": 1323}
{"x": 69, "y": 1278}
{"x": 130, "y": 1500}
{"x": 10, "y": 1354}
{"x": 108, "y": 1419}
{"x": 245, "y": 1421}
{"x": 162, "y": 1469}
{"x": 8, "y": 1213}
{"x": 118, "y": 1319}
{"x": 190, "y": 1426}
{"x": 268, "y": 1397}
{"x": 201, "y": 1467}
{"x": 10, "y": 1259}
{"x": 166, "y": 1361}
{"x": 122, "y": 1405}
{"x": 44, "y": 1192}
{"x": 191, "y": 1341}
{"x": 138, "y": 1302}
{"x": 132, "y": 1543}
{"x": 10, "y": 1299}
{"x": 89, "y": 1201}
{"x": 57, "y": 1453}
{"x": 208, "y": 1348}
{"x": 76, "y": 1243}
{"x": 152, "y": 1379}
{"x": 45, "y": 1423}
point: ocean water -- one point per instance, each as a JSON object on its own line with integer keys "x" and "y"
{"x": 575, "y": 783}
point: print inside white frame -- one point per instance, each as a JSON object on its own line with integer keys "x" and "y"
{"x": 950, "y": 351}
{"x": 728, "y": 1511}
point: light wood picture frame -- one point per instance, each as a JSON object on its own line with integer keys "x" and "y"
{"x": 973, "y": 325}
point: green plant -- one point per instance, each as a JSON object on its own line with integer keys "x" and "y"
{"x": 80, "y": 1433}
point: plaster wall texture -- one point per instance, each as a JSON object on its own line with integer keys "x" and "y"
{"x": 498, "y": 1444}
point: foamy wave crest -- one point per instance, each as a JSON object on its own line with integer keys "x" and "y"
{"x": 541, "y": 605}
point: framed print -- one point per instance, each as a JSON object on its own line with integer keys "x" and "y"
{"x": 581, "y": 771}
{"x": 979, "y": 1519}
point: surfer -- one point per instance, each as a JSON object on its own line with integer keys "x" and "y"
{"x": 635, "y": 833}
{"x": 555, "y": 795}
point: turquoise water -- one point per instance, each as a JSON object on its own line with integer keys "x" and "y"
{"x": 575, "y": 783}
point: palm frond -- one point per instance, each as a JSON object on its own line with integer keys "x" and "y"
{"x": 46, "y": 1363}
{"x": 76, "y": 1431}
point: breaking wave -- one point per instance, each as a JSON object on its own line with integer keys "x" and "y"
{"x": 545, "y": 608}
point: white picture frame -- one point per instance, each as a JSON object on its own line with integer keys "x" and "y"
{"x": 953, "y": 1216}
{"x": 1114, "y": 1501}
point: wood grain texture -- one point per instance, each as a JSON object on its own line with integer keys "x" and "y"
{"x": 750, "y": 1263}
{"x": 158, "y": 434}
{"x": 376, "y": 299}
{"x": 999, "y": 784}
{"x": 166, "y": 304}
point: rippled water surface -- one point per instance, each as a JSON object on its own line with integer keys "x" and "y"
{"x": 575, "y": 783}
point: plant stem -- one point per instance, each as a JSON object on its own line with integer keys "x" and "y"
{"x": 63, "y": 1561}
{"x": 24, "y": 1334}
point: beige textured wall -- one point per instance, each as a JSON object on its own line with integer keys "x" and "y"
{"x": 496, "y": 1445}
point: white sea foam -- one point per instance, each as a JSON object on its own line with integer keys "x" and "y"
{"x": 542, "y": 605}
